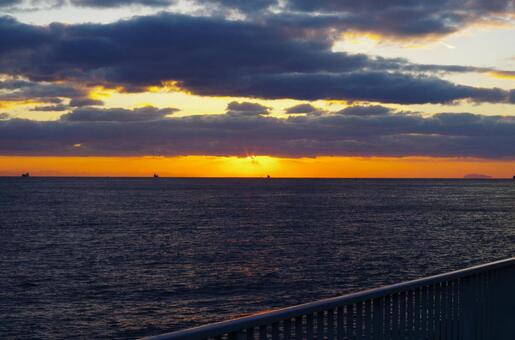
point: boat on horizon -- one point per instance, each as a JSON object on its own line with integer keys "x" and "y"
{"x": 25, "y": 175}
{"x": 156, "y": 176}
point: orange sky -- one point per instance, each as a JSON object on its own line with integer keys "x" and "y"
{"x": 260, "y": 166}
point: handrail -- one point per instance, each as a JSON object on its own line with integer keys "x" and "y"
{"x": 256, "y": 320}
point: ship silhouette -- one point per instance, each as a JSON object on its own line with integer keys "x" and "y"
{"x": 25, "y": 175}
{"x": 156, "y": 176}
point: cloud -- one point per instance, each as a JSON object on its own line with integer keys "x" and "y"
{"x": 371, "y": 110}
{"x": 244, "y": 6}
{"x": 246, "y": 109}
{"x": 216, "y": 57}
{"x": 503, "y": 74}
{"x": 4, "y": 116}
{"x": 189, "y": 49}
{"x": 303, "y": 109}
{"x": 6, "y": 3}
{"x": 89, "y": 114}
{"x": 247, "y": 7}
{"x": 358, "y": 86}
{"x": 50, "y": 108}
{"x": 44, "y": 4}
{"x": 15, "y": 35}
{"x": 20, "y": 90}
{"x": 394, "y": 18}
{"x": 79, "y": 102}
{"x": 403, "y": 18}
{"x": 120, "y": 3}
{"x": 117, "y": 132}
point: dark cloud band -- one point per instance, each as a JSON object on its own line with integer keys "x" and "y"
{"x": 212, "y": 56}
{"x": 89, "y": 114}
{"x": 359, "y": 131}
{"x": 396, "y": 18}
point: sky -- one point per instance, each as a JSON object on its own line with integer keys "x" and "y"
{"x": 287, "y": 88}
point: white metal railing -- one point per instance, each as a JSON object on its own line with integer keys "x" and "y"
{"x": 476, "y": 303}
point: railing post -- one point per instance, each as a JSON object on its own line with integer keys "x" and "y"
{"x": 359, "y": 321}
{"x": 465, "y": 310}
{"x": 395, "y": 317}
{"x": 262, "y": 332}
{"x": 367, "y": 322}
{"x": 506, "y": 313}
{"x": 299, "y": 334}
{"x": 340, "y": 323}
{"x": 287, "y": 329}
{"x": 455, "y": 305}
{"x": 349, "y": 322}
{"x": 236, "y": 336}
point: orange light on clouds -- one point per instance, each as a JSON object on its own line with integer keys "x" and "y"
{"x": 256, "y": 166}
{"x": 19, "y": 103}
{"x": 503, "y": 74}
{"x": 372, "y": 39}
{"x": 101, "y": 93}
{"x": 167, "y": 86}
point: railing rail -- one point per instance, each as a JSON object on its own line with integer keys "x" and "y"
{"x": 477, "y": 303}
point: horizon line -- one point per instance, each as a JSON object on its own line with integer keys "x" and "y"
{"x": 246, "y": 177}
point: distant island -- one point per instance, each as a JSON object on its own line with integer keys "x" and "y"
{"x": 477, "y": 176}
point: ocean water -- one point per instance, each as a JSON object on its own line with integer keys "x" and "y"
{"x": 125, "y": 258}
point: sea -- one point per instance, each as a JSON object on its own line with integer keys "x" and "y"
{"x": 123, "y": 258}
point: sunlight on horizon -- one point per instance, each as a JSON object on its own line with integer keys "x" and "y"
{"x": 257, "y": 166}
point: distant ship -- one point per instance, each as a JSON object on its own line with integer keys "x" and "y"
{"x": 156, "y": 176}
{"x": 268, "y": 176}
{"x": 25, "y": 175}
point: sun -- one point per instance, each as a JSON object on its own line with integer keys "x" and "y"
{"x": 249, "y": 166}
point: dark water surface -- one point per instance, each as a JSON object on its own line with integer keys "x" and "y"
{"x": 124, "y": 258}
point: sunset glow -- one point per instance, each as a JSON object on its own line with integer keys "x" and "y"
{"x": 258, "y": 166}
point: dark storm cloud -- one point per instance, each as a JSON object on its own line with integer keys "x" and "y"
{"x": 114, "y": 133}
{"x": 89, "y": 114}
{"x": 246, "y": 109}
{"x": 211, "y": 56}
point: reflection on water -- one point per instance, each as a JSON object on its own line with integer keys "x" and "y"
{"x": 124, "y": 258}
